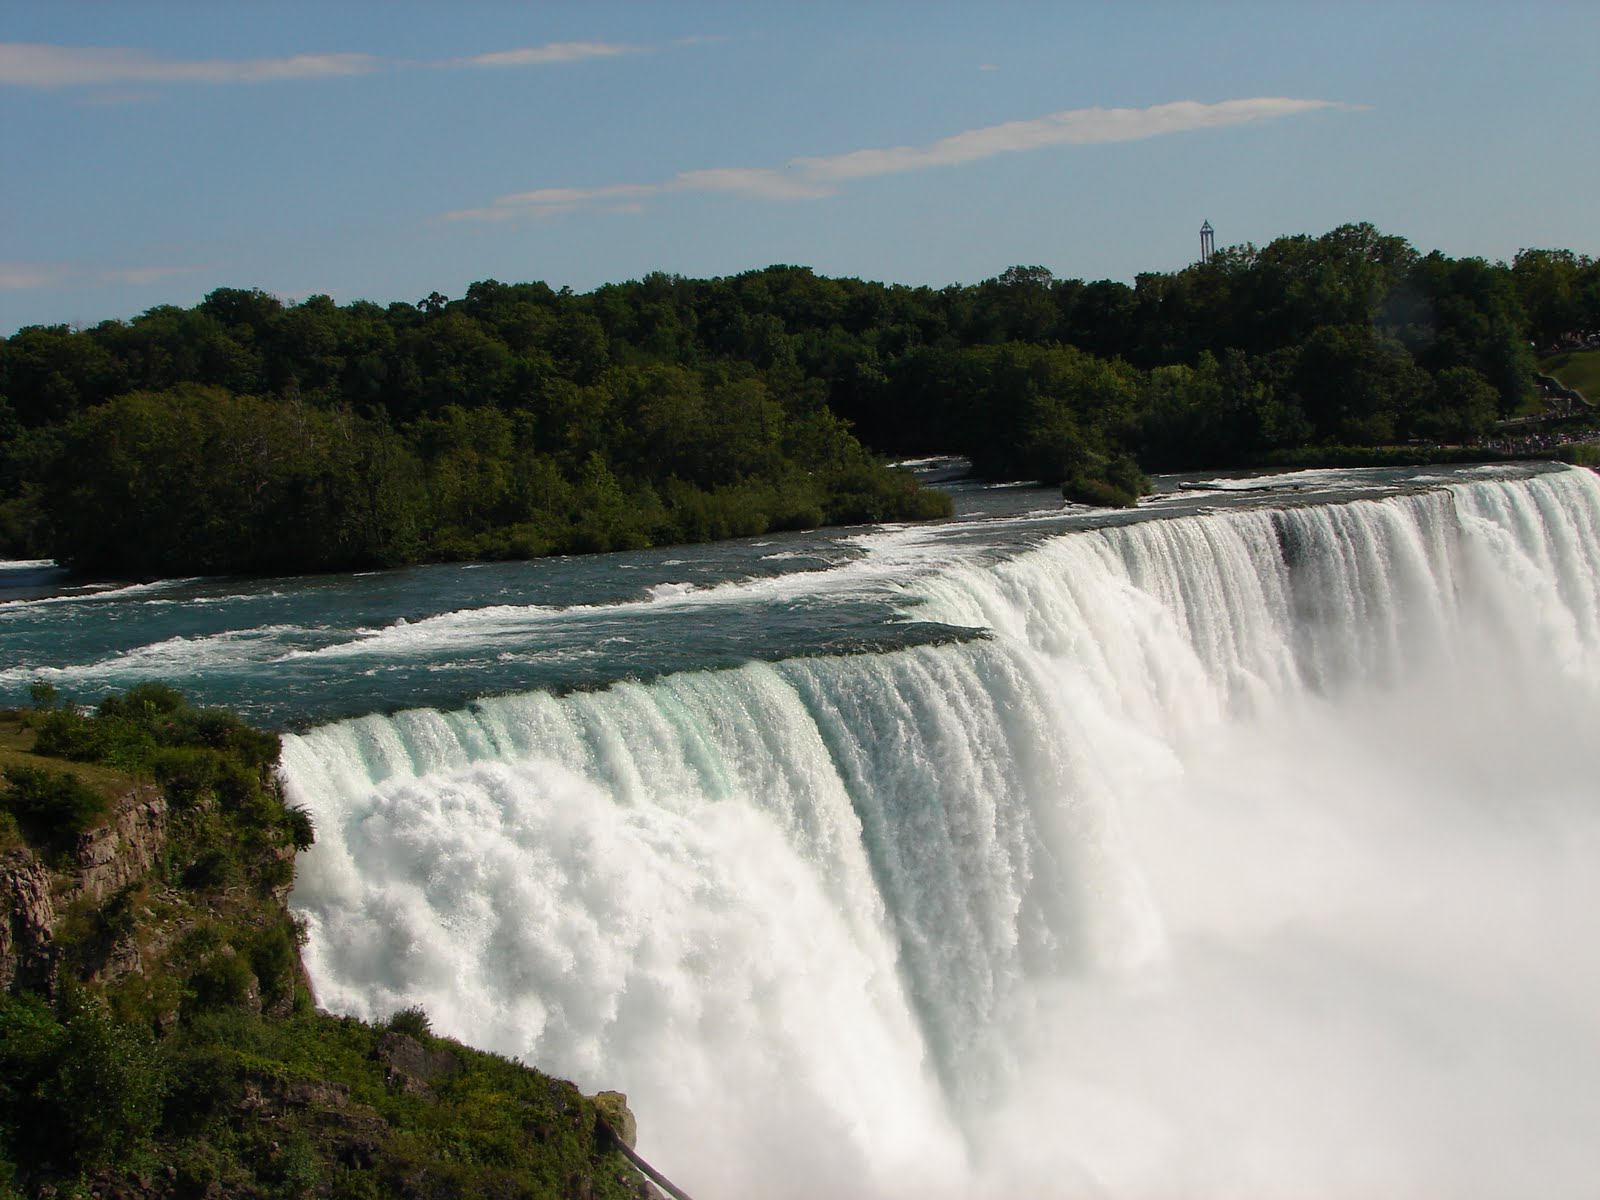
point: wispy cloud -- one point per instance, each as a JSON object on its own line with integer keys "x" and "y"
{"x": 24, "y": 276}
{"x": 39, "y": 65}
{"x": 16, "y": 276}
{"x": 807, "y": 178}
{"x": 35, "y": 65}
{"x": 538, "y": 56}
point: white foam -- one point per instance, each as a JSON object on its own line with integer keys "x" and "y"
{"x": 172, "y": 658}
{"x": 1253, "y": 855}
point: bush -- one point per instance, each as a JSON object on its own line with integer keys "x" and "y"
{"x": 412, "y": 1021}
{"x": 111, "y": 739}
{"x": 144, "y": 704}
{"x": 272, "y": 958}
{"x": 1579, "y": 454}
{"x": 213, "y": 870}
{"x": 185, "y": 773}
{"x": 79, "y": 1091}
{"x": 302, "y": 830}
{"x": 224, "y": 980}
{"x": 52, "y": 807}
{"x": 1098, "y": 492}
{"x": 107, "y": 1086}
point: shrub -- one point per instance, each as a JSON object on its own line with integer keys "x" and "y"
{"x": 106, "y": 1088}
{"x": 272, "y": 958}
{"x": 146, "y": 704}
{"x": 302, "y": 829}
{"x": 81, "y": 1090}
{"x": 212, "y": 870}
{"x": 1099, "y": 492}
{"x": 111, "y": 739}
{"x": 412, "y": 1021}
{"x": 224, "y": 980}
{"x": 52, "y": 807}
{"x": 237, "y": 784}
{"x": 185, "y": 773}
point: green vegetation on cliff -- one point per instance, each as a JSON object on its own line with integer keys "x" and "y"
{"x": 157, "y": 1037}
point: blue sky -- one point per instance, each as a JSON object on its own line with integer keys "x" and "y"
{"x": 154, "y": 152}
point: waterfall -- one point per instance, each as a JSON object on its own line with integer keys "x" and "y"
{"x": 1251, "y": 853}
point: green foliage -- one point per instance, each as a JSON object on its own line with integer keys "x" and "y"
{"x": 114, "y": 741}
{"x": 51, "y": 807}
{"x": 223, "y": 980}
{"x": 412, "y": 1021}
{"x": 273, "y": 953}
{"x": 302, "y": 830}
{"x": 77, "y": 1089}
{"x": 152, "y": 730}
{"x": 246, "y": 434}
{"x": 1580, "y": 454}
{"x": 187, "y": 774}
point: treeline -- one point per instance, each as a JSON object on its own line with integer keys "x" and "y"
{"x": 247, "y": 434}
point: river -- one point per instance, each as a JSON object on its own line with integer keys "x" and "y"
{"x": 1243, "y": 845}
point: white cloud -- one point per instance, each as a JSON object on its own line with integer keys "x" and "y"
{"x": 24, "y": 64}
{"x": 567, "y": 197}
{"x": 38, "y": 65}
{"x": 16, "y": 276}
{"x": 536, "y": 56}
{"x": 1074, "y": 127}
{"x": 764, "y": 183}
{"x": 139, "y": 275}
{"x": 23, "y": 276}
{"x": 815, "y": 177}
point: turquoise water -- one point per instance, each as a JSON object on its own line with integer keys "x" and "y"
{"x": 291, "y": 652}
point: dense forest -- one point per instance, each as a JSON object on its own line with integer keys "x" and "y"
{"x": 246, "y": 434}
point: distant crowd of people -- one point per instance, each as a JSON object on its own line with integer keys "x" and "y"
{"x": 1533, "y": 443}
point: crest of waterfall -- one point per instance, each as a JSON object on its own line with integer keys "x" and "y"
{"x": 1218, "y": 855}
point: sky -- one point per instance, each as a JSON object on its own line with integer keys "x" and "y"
{"x": 152, "y": 152}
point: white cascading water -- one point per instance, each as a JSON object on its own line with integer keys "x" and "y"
{"x": 1254, "y": 854}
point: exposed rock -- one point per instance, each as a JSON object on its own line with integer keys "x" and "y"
{"x": 34, "y": 899}
{"x": 405, "y": 1053}
{"x": 109, "y": 857}
{"x": 613, "y": 1107}
{"x": 312, "y": 1093}
{"x": 411, "y": 1066}
{"x": 27, "y": 921}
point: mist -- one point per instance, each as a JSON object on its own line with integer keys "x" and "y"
{"x": 1253, "y": 855}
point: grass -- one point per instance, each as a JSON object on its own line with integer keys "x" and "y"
{"x": 17, "y": 736}
{"x": 1578, "y": 369}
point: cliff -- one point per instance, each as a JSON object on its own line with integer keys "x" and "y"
{"x": 157, "y": 1036}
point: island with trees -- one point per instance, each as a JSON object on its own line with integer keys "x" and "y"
{"x": 250, "y": 435}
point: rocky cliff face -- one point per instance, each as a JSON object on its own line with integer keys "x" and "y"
{"x": 36, "y": 898}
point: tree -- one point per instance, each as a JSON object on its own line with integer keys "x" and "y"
{"x": 1460, "y": 406}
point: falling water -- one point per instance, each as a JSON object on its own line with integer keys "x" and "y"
{"x": 1253, "y": 854}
